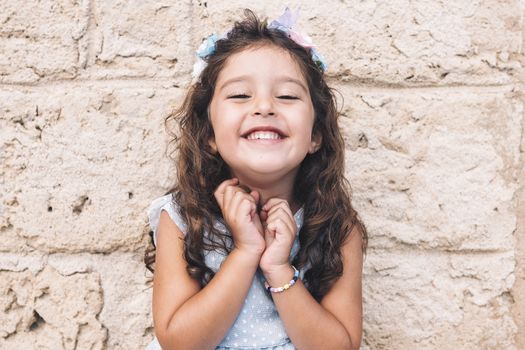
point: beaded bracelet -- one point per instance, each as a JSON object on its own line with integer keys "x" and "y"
{"x": 286, "y": 286}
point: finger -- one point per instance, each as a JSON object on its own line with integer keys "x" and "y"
{"x": 257, "y": 221}
{"x": 272, "y": 202}
{"x": 219, "y": 192}
{"x": 263, "y": 215}
{"x": 282, "y": 210}
{"x": 280, "y": 228}
{"x": 284, "y": 216}
{"x": 246, "y": 207}
{"x": 269, "y": 236}
{"x": 229, "y": 182}
{"x": 265, "y": 209}
{"x": 282, "y": 206}
{"x": 244, "y": 188}
{"x": 229, "y": 192}
{"x": 236, "y": 204}
{"x": 255, "y": 196}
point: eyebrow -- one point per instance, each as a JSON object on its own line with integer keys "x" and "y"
{"x": 285, "y": 79}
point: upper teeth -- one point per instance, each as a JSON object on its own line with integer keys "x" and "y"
{"x": 263, "y": 135}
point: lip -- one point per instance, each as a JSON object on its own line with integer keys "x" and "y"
{"x": 263, "y": 142}
{"x": 264, "y": 128}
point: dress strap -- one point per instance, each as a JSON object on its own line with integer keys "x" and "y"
{"x": 164, "y": 203}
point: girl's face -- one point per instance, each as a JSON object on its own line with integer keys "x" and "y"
{"x": 262, "y": 115}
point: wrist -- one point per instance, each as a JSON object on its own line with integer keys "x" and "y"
{"x": 284, "y": 287}
{"x": 278, "y": 275}
{"x": 252, "y": 248}
{"x": 248, "y": 256}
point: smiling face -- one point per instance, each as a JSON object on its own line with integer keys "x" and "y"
{"x": 262, "y": 115}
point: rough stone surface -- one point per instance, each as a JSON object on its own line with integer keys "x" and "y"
{"x": 416, "y": 157}
{"x": 426, "y": 295}
{"x": 41, "y": 39}
{"x": 432, "y": 120}
{"x": 48, "y": 310}
{"x": 138, "y": 39}
{"x": 67, "y": 155}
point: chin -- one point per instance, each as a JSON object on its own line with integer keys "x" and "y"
{"x": 262, "y": 172}
{"x": 262, "y": 166}
{"x": 267, "y": 166}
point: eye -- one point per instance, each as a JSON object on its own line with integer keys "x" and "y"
{"x": 239, "y": 96}
{"x": 288, "y": 97}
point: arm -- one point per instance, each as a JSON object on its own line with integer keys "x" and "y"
{"x": 335, "y": 323}
{"x": 185, "y": 316}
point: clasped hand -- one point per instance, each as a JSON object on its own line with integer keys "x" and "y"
{"x": 268, "y": 234}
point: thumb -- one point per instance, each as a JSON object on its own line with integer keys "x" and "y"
{"x": 257, "y": 221}
{"x": 255, "y": 196}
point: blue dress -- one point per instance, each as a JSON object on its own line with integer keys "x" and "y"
{"x": 258, "y": 325}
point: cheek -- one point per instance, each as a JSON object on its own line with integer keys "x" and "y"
{"x": 224, "y": 133}
{"x": 223, "y": 128}
{"x": 307, "y": 124}
{"x": 225, "y": 122}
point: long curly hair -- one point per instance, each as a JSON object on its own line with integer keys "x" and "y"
{"x": 320, "y": 185}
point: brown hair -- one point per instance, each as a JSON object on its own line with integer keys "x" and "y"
{"x": 320, "y": 184}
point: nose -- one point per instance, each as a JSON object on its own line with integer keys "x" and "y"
{"x": 263, "y": 106}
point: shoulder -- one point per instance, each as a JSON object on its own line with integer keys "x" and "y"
{"x": 356, "y": 240}
{"x": 168, "y": 204}
{"x": 352, "y": 252}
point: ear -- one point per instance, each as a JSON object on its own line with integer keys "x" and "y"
{"x": 315, "y": 144}
{"x": 212, "y": 144}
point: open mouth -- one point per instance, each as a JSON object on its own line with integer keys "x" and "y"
{"x": 264, "y": 135}
{"x": 264, "y": 132}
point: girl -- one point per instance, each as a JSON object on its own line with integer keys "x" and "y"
{"x": 257, "y": 245}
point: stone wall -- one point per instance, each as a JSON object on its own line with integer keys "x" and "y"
{"x": 432, "y": 117}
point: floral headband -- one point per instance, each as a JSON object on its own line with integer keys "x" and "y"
{"x": 285, "y": 23}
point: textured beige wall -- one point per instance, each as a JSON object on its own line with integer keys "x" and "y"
{"x": 433, "y": 108}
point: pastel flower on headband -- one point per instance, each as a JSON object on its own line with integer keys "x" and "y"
{"x": 207, "y": 48}
{"x": 285, "y": 23}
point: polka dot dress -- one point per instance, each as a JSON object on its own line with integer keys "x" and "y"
{"x": 258, "y": 325}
